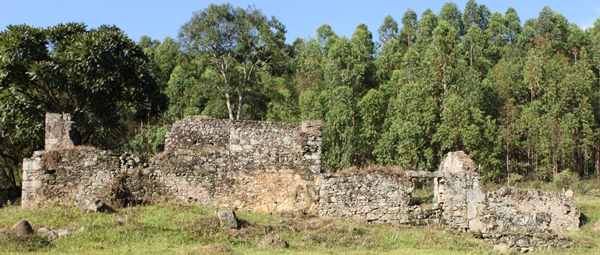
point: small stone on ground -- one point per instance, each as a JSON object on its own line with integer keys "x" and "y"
{"x": 273, "y": 242}
{"x": 228, "y": 219}
{"x": 569, "y": 193}
{"x": 502, "y": 248}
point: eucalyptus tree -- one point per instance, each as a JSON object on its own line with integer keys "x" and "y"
{"x": 452, "y": 15}
{"x": 513, "y": 23}
{"x": 238, "y": 44}
{"x": 475, "y": 14}
{"x": 388, "y": 30}
{"x": 427, "y": 24}
{"x": 410, "y": 26}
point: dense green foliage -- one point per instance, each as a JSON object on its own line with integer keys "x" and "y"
{"x": 522, "y": 100}
{"x": 99, "y": 76}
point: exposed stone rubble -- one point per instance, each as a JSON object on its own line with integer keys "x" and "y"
{"x": 274, "y": 167}
{"x": 51, "y": 235}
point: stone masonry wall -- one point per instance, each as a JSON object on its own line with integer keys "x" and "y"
{"x": 60, "y": 134}
{"x": 253, "y": 165}
{"x": 274, "y": 167}
{"x": 370, "y": 197}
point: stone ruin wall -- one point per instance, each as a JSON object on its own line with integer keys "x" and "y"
{"x": 263, "y": 167}
{"x": 274, "y": 167}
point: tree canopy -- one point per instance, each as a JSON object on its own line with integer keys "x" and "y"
{"x": 236, "y": 45}
{"x": 99, "y": 75}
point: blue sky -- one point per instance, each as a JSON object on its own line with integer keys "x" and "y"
{"x": 161, "y": 18}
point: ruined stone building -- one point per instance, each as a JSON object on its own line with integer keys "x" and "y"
{"x": 275, "y": 167}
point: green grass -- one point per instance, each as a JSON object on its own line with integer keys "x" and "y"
{"x": 178, "y": 228}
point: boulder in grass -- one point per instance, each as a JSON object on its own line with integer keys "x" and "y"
{"x": 228, "y": 219}
{"x": 22, "y": 228}
{"x": 569, "y": 193}
{"x": 273, "y": 242}
{"x": 502, "y": 248}
{"x": 596, "y": 227}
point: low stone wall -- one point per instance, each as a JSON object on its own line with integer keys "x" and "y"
{"x": 274, "y": 167}
{"x": 370, "y": 197}
{"x": 525, "y": 218}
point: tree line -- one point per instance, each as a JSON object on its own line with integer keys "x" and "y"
{"x": 522, "y": 100}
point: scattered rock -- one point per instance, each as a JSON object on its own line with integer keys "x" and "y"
{"x": 528, "y": 249}
{"x": 273, "y": 242}
{"x": 121, "y": 221}
{"x": 97, "y": 205}
{"x": 569, "y": 193}
{"x": 523, "y": 242}
{"x": 53, "y": 234}
{"x": 228, "y": 219}
{"x": 43, "y": 231}
{"x": 63, "y": 232}
{"x": 207, "y": 249}
{"x": 502, "y": 248}
{"x": 22, "y": 228}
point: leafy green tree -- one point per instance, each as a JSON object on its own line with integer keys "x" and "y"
{"x": 340, "y": 130}
{"x": 372, "y": 113}
{"x": 427, "y": 24}
{"x": 475, "y": 14}
{"x": 186, "y": 94}
{"x": 326, "y": 36}
{"x": 410, "y": 26}
{"x": 452, "y": 15}
{"x": 163, "y": 59}
{"x": 513, "y": 23}
{"x": 412, "y": 119}
{"x": 388, "y": 30}
{"x": 308, "y": 65}
{"x": 474, "y": 45}
{"x": 100, "y": 76}
{"x": 553, "y": 27}
{"x": 443, "y": 54}
{"x": 238, "y": 44}
{"x": 577, "y": 41}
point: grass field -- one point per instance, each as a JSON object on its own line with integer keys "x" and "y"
{"x": 178, "y": 228}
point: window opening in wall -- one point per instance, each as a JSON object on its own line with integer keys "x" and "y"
{"x": 422, "y": 191}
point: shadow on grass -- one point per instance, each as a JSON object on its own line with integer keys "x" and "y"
{"x": 583, "y": 220}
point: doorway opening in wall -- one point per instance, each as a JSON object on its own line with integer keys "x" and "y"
{"x": 422, "y": 191}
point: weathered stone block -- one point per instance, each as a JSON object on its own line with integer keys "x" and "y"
{"x": 228, "y": 218}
